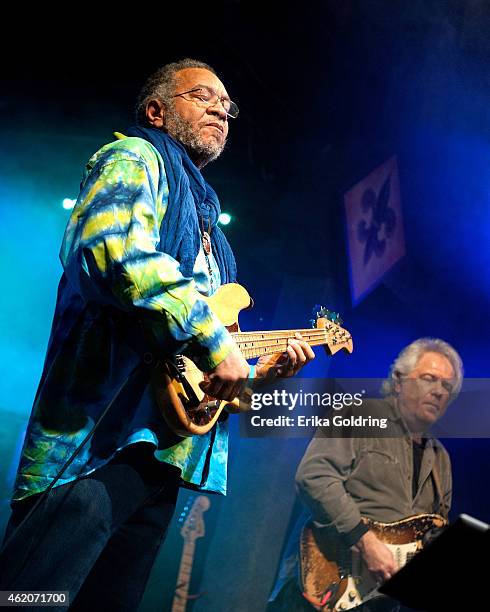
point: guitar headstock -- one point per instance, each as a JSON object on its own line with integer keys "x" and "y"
{"x": 193, "y": 526}
{"x": 336, "y": 337}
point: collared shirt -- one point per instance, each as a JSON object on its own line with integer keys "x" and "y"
{"x": 114, "y": 279}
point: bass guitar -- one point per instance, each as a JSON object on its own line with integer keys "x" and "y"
{"x": 185, "y": 407}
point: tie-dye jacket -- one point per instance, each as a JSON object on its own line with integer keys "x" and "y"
{"x": 114, "y": 276}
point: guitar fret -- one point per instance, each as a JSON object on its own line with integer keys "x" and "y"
{"x": 250, "y": 337}
{"x": 256, "y": 350}
{"x": 284, "y": 332}
{"x": 275, "y": 334}
{"x": 257, "y": 341}
{"x": 256, "y": 344}
{"x": 264, "y": 349}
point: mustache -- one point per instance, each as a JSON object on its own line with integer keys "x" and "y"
{"x": 219, "y": 124}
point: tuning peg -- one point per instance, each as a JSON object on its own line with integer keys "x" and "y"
{"x": 333, "y": 316}
{"x": 322, "y": 312}
{"x": 318, "y": 312}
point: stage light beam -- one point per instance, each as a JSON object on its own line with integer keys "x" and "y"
{"x": 224, "y": 219}
{"x": 69, "y": 203}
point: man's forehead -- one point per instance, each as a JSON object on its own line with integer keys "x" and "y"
{"x": 431, "y": 361}
{"x": 191, "y": 77}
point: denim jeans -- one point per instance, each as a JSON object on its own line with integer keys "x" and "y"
{"x": 96, "y": 537}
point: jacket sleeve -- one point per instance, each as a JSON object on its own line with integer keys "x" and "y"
{"x": 444, "y": 465}
{"x": 320, "y": 480}
{"x": 109, "y": 254}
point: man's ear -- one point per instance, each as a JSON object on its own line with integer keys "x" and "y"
{"x": 155, "y": 114}
{"x": 397, "y": 383}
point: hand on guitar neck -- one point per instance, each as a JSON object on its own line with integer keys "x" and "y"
{"x": 228, "y": 378}
{"x": 378, "y": 558}
{"x": 297, "y": 354}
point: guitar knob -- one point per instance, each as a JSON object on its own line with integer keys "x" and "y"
{"x": 343, "y": 606}
{"x": 352, "y": 595}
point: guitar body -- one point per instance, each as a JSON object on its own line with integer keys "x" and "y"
{"x": 334, "y": 578}
{"x": 186, "y": 408}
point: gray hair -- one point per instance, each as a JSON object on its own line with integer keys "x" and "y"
{"x": 410, "y": 355}
{"x": 161, "y": 85}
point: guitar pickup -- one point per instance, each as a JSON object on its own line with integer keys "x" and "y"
{"x": 179, "y": 363}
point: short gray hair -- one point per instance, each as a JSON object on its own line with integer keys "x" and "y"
{"x": 410, "y": 355}
{"x": 161, "y": 85}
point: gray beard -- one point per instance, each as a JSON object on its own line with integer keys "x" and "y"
{"x": 199, "y": 151}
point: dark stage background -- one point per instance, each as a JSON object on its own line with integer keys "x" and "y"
{"x": 328, "y": 91}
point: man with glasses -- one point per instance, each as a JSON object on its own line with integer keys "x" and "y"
{"x": 100, "y": 469}
{"x": 383, "y": 478}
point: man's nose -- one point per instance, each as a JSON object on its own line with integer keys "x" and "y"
{"x": 218, "y": 109}
{"x": 437, "y": 389}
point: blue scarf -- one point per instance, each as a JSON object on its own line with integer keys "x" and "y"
{"x": 192, "y": 205}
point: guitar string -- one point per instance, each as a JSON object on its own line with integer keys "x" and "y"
{"x": 250, "y": 352}
{"x": 290, "y": 334}
{"x": 286, "y": 332}
{"x": 280, "y": 344}
{"x": 253, "y": 341}
{"x": 259, "y": 337}
{"x": 261, "y": 343}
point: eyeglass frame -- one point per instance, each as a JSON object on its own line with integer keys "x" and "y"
{"x": 446, "y": 383}
{"x": 219, "y": 99}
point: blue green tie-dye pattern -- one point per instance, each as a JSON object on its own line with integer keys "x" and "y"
{"x": 113, "y": 273}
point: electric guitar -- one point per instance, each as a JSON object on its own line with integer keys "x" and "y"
{"x": 192, "y": 529}
{"x": 185, "y": 407}
{"x": 335, "y": 578}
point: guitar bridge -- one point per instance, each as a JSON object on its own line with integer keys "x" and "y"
{"x": 206, "y": 409}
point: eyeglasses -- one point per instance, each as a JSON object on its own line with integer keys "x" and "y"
{"x": 428, "y": 382}
{"x": 206, "y": 96}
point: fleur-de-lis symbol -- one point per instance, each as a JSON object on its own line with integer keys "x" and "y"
{"x": 383, "y": 221}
